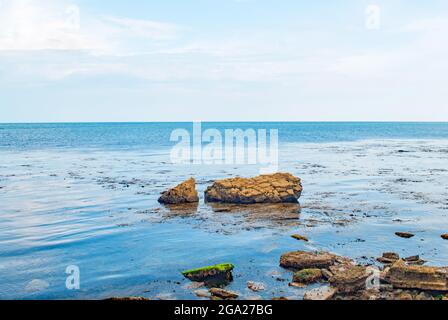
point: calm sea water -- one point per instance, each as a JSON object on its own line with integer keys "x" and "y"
{"x": 86, "y": 195}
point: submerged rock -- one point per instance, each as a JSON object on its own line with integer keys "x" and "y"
{"x": 307, "y": 276}
{"x": 223, "y": 294}
{"x": 255, "y": 286}
{"x": 300, "y": 237}
{"x": 322, "y": 293}
{"x": 348, "y": 278}
{"x": 306, "y": 260}
{"x": 127, "y": 299}
{"x": 275, "y": 188}
{"x": 217, "y": 275}
{"x": 403, "y": 276}
{"x": 183, "y": 193}
{"x": 405, "y": 235}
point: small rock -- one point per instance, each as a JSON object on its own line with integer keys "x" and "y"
{"x": 299, "y": 237}
{"x": 280, "y": 299}
{"x": 223, "y": 294}
{"x": 405, "y": 235}
{"x": 127, "y": 299}
{"x": 202, "y": 293}
{"x": 297, "y": 285}
{"x": 307, "y": 276}
{"x": 323, "y": 293}
{"x": 405, "y": 296}
{"x": 444, "y": 236}
{"x": 305, "y": 260}
{"x": 194, "y": 285}
{"x": 388, "y": 258}
{"x": 183, "y": 193}
{"x": 217, "y": 275}
{"x": 256, "y": 286}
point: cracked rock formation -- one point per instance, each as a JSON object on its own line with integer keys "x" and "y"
{"x": 275, "y": 188}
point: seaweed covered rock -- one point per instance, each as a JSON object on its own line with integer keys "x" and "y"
{"x": 299, "y": 260}
{"x": 217, "y": 275}
{"x": 403, "y": 276}
{"x": 307, "y": 276}
{"x": 275, "y": 188}
{"x": 183, "y": 193}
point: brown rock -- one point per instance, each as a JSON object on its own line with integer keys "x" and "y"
{"x": 405, "y": 235}
{"x": 299, "y": 237}
{"x": 388, "y": 258}
{"x": 255, "y": 286}
{"x": 348, "y": 278}
{"x": 323, "y": 293}
{"x": 128, "y": 299}
{"x": 444, "y": 236}
{"x": 223, "y": 294}
{"x": 275, "y": 188}
{"x": 307, "y": 260}
{"x": 183, "y": 193}
{"x": 404, "y": 276}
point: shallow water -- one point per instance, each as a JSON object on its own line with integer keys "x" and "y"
{"x": 90, "y": 199}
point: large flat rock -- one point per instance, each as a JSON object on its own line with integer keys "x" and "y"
{"x": 299, "y": 260}
{"x": 405, "y": 276}
{"x": 275, "y": 188}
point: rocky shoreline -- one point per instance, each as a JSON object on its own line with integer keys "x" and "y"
{"x": 340, "y": 277}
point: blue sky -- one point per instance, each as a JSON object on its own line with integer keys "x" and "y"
{"x": 215, "y": 60}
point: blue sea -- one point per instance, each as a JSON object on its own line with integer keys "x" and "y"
{"x": 85, "y": 195}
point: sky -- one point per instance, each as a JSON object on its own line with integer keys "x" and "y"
{"x": 223, "y": 60}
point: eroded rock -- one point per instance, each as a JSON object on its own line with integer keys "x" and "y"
{"x": 275, "y": 188}
{"x": 183, "y": 193}
{"x": 223, "y": 294}
{"x": 299, "y": 260}
{"x": 405, "y": 276}
{"x": 348, "y": 278}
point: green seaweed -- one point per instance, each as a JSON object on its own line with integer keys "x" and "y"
{"x": 223, "y": 267}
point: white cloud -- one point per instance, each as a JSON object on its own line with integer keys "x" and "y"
{"x": 61, "y": 25}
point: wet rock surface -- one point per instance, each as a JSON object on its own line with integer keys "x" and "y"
{"x": 217, "y": 275}
{"x": 405, "y": 235}
{"x": 276, "y": 188}
{"x": 182, "y": 193}
{"x": 223, "y": 294}
{"x": 348, "y": 278}
{"x": 405, "y": 276}
{"x": 299, "y": 260}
